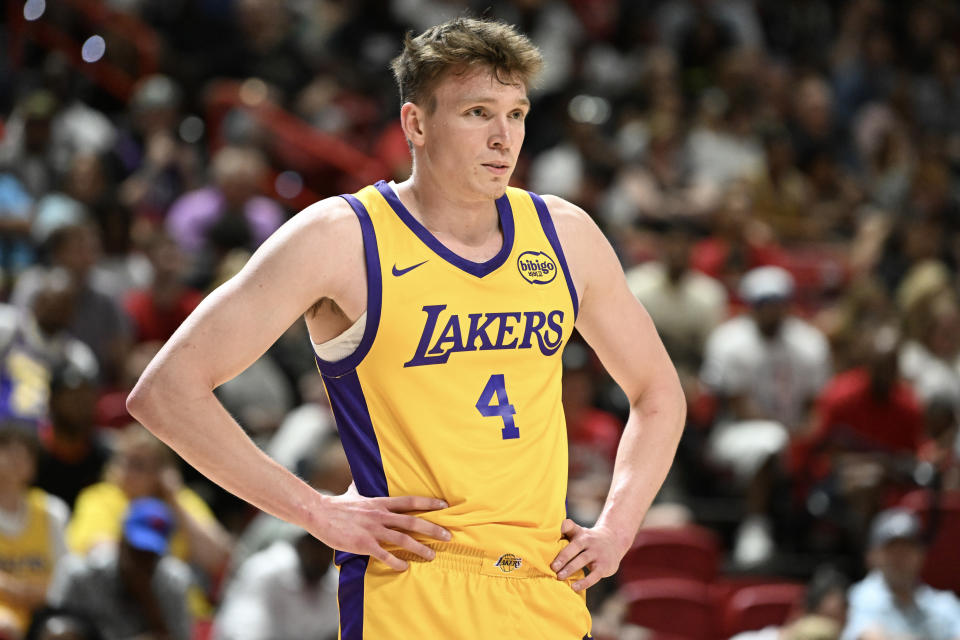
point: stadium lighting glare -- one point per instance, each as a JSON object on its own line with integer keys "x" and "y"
{"x": 33, "y": 9}
{"x": 289, "y": 184}
{"x": 253, "y": 92}
{"x": 191, "y": 129}
{"x": 589, "y": 109}
{"x": 93, "y": 49}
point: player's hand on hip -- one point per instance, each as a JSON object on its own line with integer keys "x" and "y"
{"x": 596, "y": 549}
{"x": 357, "y": 524}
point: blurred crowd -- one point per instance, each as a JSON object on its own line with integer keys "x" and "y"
{"x": 781, "y": 180}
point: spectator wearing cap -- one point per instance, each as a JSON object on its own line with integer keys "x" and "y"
{"x": 891, "y": 602}
{"x": 765, "y": 367}
{"x": 31, "y": 527}
{"x": 72, "y": 452}
{"x": 142, "y": 466}
{"x": 134, "y": 589}
{"x": 33, "y": 342}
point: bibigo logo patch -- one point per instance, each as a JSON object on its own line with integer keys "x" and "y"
{"x": 537, "y": 267}
{"x": 508, "y": 562}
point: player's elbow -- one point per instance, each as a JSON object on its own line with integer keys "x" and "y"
{"x": 141, "y": 400}
{"x": 681, "y": 411}
{"x": 678, "y": 400}
{"x": 664, "y": 397}
{"x": 147, "y": 399}
{"x": 166, "y": 392}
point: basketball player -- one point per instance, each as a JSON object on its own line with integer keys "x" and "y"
{"x": 438, "y": 308}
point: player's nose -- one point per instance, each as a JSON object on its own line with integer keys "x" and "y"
{"x": 501, "y": 136}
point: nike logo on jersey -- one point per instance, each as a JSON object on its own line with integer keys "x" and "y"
{"x": 400, "y": 272}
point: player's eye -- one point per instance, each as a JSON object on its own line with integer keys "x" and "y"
{"x": 477, "y": 111}
{"x": 518, "y": 115}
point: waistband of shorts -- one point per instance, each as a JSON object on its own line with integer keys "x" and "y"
{"x": 463, "y": 559}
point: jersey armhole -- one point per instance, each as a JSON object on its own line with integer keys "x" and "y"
{"x": 374, "y": 296}
{"x": 546, "y": 222}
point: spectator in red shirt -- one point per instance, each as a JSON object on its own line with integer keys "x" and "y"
{"x": 740, "y": 242}
{"x": 869, "y": 429}
{"x": 871, "y": 408}
{"x": 158, "y": 311}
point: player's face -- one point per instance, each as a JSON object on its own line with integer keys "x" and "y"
{"x": 473, "y": 136}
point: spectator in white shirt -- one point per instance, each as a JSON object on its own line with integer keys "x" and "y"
{"x": 288, "y": 591}
{"x": 685, "y": 305}
{"x": 766, "y": 367}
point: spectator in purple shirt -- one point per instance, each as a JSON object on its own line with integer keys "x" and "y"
{"x": 228, "y": 214}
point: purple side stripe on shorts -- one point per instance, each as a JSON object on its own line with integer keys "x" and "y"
{"x": 350, "y": 597}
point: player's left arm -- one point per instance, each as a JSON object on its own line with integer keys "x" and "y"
{"x": 622, "y": 334}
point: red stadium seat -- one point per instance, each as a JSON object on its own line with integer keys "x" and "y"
{"x": 202, "y": 630}
{"x": 763, "y": 605}
{"x": 942, "y": 566}
{"x": 726, "y": 586}
{"x": 687, "y": 552}
{"x": 672, "y": 607}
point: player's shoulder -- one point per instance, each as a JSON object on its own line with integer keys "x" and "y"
{"x": 322, "y": 230}
{"x": 575, "y": 228}
{"x": 332, "y": 213}
{"x": 565, "y": 212}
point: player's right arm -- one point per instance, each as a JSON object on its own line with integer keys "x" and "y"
{"x": 317, "y": 254}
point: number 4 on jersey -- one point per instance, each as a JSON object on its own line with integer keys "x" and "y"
{"x": 496, "y": 392}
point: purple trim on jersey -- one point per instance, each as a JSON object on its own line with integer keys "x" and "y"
{"x": 551, "y": 232}
{"x": 356, "y": 433}
{"x": 374, "y": 296}
{"x": 350, "y": 597}
{"x": 478, "y": 269}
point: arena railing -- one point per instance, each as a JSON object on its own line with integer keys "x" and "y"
{"x": 103, "y": 20}
{"x": 303, "y": 147}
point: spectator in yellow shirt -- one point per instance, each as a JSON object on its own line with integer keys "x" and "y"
{"x": 142, "y": 466}
{"x": 31, "y": 530}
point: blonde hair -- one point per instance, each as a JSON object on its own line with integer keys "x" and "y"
{"x": 134, "y": 436}
{"x": 461, "y": 45}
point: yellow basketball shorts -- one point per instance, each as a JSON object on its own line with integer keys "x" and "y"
{"x": 460, "y": 595}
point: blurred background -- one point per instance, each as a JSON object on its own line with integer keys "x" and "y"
{"x": 780, "y": 178}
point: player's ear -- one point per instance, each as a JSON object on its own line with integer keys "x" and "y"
{"x": 411, "y": 119}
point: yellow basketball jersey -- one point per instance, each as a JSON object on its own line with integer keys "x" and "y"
{"x": 28, "y": 556}
{"x": 454, "y": 391}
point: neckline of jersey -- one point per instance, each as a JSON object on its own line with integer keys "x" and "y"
{"x": 478, "y": 269}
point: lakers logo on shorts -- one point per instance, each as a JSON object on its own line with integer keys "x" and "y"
{"x": 508, "y": 562}
{"x": 537, "y": 267}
